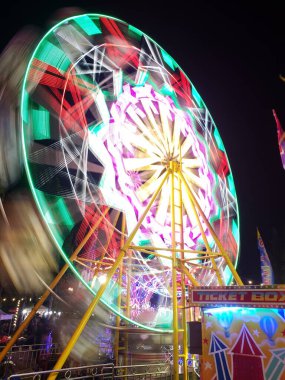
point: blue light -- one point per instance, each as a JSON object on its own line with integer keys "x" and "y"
{"x": 236, "y": 309}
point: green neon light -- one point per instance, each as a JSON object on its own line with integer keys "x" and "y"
{"x": 164, "y": 318}
{"x": 95, "y": 129}
{"x": 52, "y": 55}
{"x": 167, "y": 90}
{"x": 143, "y": 77}
{"x": 41, "y": 123}
{"x": 196, "y": 96}
{"x": 88, "y": 25}
{"x": 134, "y": 32}
{"x": 168, "y": 59}
{"x": 235, "y": 230}
{"x": 231, "y": 185}
{"x": 217, "y": 216}
{"x": 64, "y": 212}
{"x": 218, "y": 139}
{"x": 144, "y": 243}
{"x": 46, "y": 212}
{"x": 25, "y": 101}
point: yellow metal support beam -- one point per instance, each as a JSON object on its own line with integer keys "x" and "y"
{"x": 204, "y": 237}
{"x": 212, "y": 232}
{"x": 85, "y": 318}
{"x": 174, "y": 277}
{"x": 103, "y": 287}
{"x": 151, "y": 248}
{"x": 140, "y": 249}
{"x": 183, "y": 290}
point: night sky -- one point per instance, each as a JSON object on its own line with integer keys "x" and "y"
{"x": 233, "y": 53}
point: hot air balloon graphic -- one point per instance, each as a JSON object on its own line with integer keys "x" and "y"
{"x": 269, "y": 326}
{"x": 225, "y": 319}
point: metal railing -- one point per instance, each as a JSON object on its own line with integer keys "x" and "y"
{"x": 107, "y": 371}
{"x": 143, "y": 372}
{"x": 32, "y": 357}
{"x": 98, "y": 371}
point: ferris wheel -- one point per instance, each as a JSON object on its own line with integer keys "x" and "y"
{"x": 127, "y": 167}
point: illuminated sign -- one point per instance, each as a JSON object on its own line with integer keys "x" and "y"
{"x": 256, "y": 296}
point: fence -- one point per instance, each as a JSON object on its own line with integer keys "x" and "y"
{"x": 143, "y": 372}
{"x": 107, "y": 371}
{"x": 32, "y": 357}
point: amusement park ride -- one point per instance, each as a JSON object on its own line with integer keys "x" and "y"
{"x": 130, "y": 175}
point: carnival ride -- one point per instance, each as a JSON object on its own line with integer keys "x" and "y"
{"x": 130, "y": 175}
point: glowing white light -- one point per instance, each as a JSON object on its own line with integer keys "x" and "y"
{"x": 102, "y": 279}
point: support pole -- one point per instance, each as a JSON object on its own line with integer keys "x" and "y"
{"x": 204, "y": 237}
{"x": 174, "y": 277}
{"x": 85, "y": 318}
{"x": 183, "y": 288}
{"x": 212, "y": 232}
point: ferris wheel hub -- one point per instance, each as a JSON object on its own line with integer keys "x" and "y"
{"x": 174, "y": 166}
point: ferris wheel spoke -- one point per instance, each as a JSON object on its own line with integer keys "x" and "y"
{"x": 143, "y": 144}
{"x": 176, "y": 135}
{"x": 150, "y": 110}
{"x": 147, "y": 136}
{"x": 140, "y": 164}
{"x": 148, "y": 188}
{"x": 191, "y": 163}
{"x": 164, "y": 116}
{"x": 187, "y": 144}
{"x": 194, "y": 179}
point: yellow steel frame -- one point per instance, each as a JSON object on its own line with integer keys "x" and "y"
{"x": 178, "y": 184}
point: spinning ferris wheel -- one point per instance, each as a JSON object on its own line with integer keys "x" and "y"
{"x": 128, "y": 168}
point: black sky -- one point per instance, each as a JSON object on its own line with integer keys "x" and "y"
{"x": 233, "y": 52}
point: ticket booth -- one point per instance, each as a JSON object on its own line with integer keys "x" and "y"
{"x": 243, "y": 332}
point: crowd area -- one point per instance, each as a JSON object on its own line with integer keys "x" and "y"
{"x": 39, "y": 331}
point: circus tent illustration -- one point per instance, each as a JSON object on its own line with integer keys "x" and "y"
{"x": 218, "y": 349}
{"x": 247, "y": 363}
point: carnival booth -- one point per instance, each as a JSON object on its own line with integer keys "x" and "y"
{"x": 243, "y": 332}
